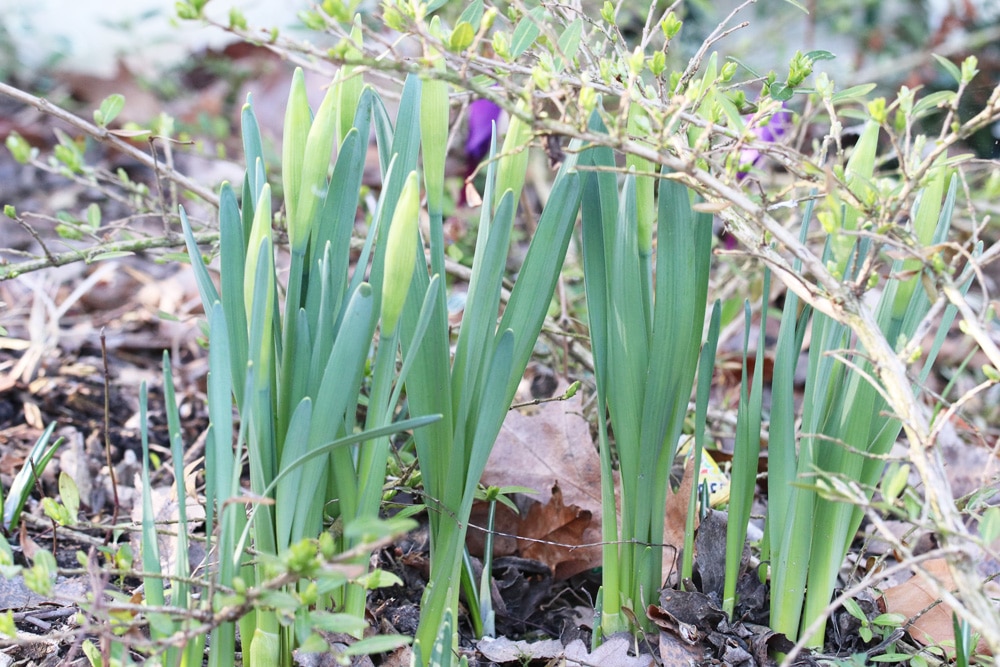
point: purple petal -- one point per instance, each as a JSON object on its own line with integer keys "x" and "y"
{"x": 776, "y": 127}
{"x": 748, "y": 156}
{"x": 482, "y": 115}
{"x": 773, "y": 130}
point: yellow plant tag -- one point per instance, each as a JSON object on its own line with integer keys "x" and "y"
{"x": 710, "y": 475}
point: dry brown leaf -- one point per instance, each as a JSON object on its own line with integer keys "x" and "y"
{"x": 503, "y": 650}
{"x": 552, "y": 452}
{"x": 28, "y": 546}
{"x": 673, "y": 651}
{"x": 551, "y": 446}
{"x": 401, "y": 657}
{"x": 917, "y": 594}
{"x": 549, "y": 528}
{"x": 675, "y": 518}
{"x": 612, "y": 653}
{"x": 552, "y": 449}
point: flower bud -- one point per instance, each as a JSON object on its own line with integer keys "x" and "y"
{"x": 264, "y": 648}
{"x": 400, "y": 254}
{"x": 670, "y": 26}
{"x": 298, "y": 120}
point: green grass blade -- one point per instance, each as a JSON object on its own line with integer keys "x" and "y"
{"x": 262, "y": 449}
{"x": 628, "y": 358}
{"x": 431, "y": 299}
{"x": 428, "y": 389}
{"x": 206, "y": 288}
{"x": 180, "y": 589}
{"x": 260, "y": 231}
{"x": 513, "y": 159}
{"x": 536, "y": 281}
{"x": 336, "y": 218}
{"x": 160, "y": 625}
{"x": 338, "y": 393}
{"x": 628, "y": 342}
{"x": 434, "y": 118}
{"x": 747, "y": 451}
{"x": 482, "y": 305}
{"x": 434, "y": 114}
{"x": 153, "y": 585}
{"x": 219, "y": 444}
{"x": 313, "y": 454}
{"x": 858, "y": 175}
{"x": 682, "y": 267}
{"x": 350, "y": 82}
{"x": 781, "y": 450}
{"x": 822, "y": 405}
{"x": 401, "y": 245}
{"x": 298, "y": 119}
{"x": 927, "y": 212}
{"x": 404, "y": 151}
{"x": 405, "y": 137}
{"x": 289, "y": 500}
{"x": 599, "y": 209}
{"x": 247, "y": 210}
{"x": 638, "y": 125}
{"x": 232, "y": 259}
{"x": 382, "y": 212}
{"x": 253, "y": 148}
{"x": 26, "y": 478}
{"x": 291, "y": 466}
{"x": 222, "y": 480}
{"x": 493, "y": 410}
{"x": 706, "y": 366}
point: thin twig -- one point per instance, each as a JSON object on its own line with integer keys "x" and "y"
{"x": 720, "y": 32}
{"x": 94, "y": 252}
{"x": 107, "y": 435}
{"x": 106, "y": 136}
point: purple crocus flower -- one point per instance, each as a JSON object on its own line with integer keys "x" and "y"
{"x": 482, "y": 115}
{"x": 771, "y": 132}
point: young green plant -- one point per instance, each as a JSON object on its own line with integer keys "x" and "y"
{"x": 474, "y": 387}
{"x": 645, "y": 340}
{"x": 846, "y": 427}
{"x": 296, "y": 373}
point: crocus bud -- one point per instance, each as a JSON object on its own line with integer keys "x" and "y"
{"x": 400, "y": 254}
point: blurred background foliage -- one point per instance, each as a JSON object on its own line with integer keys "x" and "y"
{"x": 887, "y": 42}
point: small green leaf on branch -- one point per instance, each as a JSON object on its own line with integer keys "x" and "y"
{"x": 111, "y": 106}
